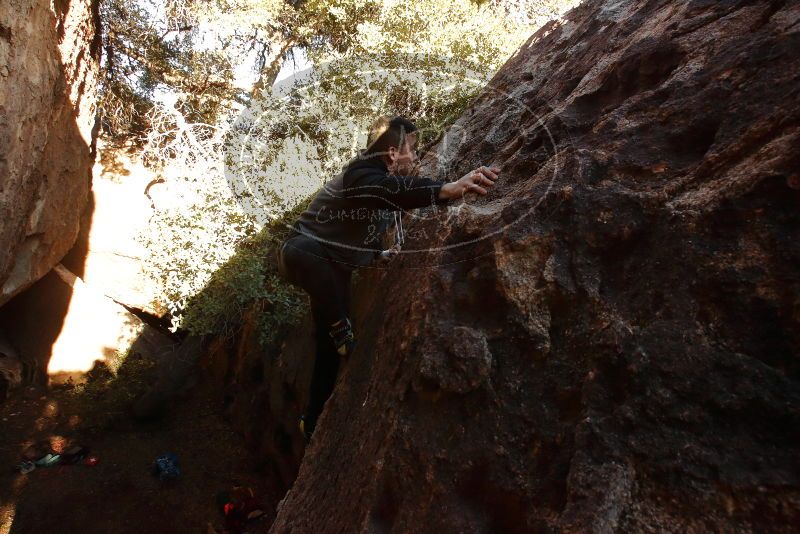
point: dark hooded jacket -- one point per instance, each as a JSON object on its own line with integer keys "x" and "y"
{"x": 351, "y": 212}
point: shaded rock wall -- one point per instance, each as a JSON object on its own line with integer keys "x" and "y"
{"x": 609, "y": 341}
{"x": 48, "y": 75}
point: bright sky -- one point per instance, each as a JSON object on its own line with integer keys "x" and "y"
{"x": 244, "y": 77}
{"x": 291, "y": 68}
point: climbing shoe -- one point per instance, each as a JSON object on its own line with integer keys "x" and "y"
{"x": 342, "y": 335}
{"x": 302, "y": 426}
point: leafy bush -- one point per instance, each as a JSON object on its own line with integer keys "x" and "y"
{"x": 249, "y": 278}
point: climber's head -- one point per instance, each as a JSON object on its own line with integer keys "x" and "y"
{"x": 395, "y": 140}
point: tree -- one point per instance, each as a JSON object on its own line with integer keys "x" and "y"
{"x": 148, "y": 48}
{"x": 191, "y": 49}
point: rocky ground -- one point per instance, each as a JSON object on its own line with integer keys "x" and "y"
{"x": 120, "y": 494}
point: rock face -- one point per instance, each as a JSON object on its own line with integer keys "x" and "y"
{"x": 48, "y": 77}
{"x": 609, "y": 340}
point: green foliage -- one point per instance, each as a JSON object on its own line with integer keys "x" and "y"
{"x": 193, "y": 48}
{"x": 150, "y": 46}
{"x": 249, "y": 280}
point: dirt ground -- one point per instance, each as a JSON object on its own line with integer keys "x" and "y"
{"x": 120, "y": 494}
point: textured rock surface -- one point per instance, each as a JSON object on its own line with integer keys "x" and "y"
{"x": 611, "y": 341}
{"x": 48, "y": 75}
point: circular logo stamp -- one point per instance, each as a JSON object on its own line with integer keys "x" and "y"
{"x": 295, "y": 141}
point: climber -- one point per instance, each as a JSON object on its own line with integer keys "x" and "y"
{"x": 342, "y": 230}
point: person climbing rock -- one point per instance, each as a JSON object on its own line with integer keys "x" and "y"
{"x": 342, "y": 230}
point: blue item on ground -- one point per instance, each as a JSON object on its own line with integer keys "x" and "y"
{"x": 166, "y": 466}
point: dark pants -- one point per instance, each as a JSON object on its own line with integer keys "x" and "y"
{"x": 304, "y": 263}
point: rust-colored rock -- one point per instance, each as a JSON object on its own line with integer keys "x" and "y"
{"x": 611, "y": 341}
{"x": 48, "y": 78}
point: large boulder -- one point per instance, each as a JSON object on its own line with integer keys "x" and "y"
{"x": 608, "y": 341}
{"x": 48, "y": 76}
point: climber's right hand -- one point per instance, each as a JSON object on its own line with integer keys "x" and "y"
{"x": 476, "y": 181}
{"x": 387, "y": 256}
